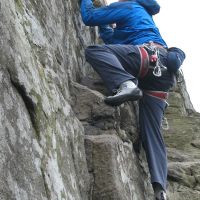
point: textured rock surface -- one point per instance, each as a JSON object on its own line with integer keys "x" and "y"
{"x": 41, "y": 140}
{"x": 58, "y": 140}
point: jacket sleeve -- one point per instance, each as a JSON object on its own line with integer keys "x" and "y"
{"x": 151, "y": 6}
{"x": 106, "y": 34}
{"x": 92, "y": 16}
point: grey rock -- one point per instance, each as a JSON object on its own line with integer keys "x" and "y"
{"x": 115, "y": 169}
{"x": 58, "y": 139}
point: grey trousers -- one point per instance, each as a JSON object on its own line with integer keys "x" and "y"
{"x": 118, "y": 63}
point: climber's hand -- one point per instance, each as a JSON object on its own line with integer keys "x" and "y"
{"x": 97, "y": 3}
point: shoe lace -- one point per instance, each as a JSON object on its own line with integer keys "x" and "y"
{"x": 117, "y": 91}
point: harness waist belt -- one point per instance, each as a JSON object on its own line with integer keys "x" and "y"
{"x": 158, "y": 94}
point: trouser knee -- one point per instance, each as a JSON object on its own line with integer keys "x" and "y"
{"x": 88, "y": 52}
{"x": 91, "y": 51}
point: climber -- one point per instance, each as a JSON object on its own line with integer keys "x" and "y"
{"x": 136, "y": 64}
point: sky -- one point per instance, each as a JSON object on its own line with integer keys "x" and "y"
{"x": 178, "y": 24}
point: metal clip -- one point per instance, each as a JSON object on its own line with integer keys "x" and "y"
{"x": 157, "y": 69}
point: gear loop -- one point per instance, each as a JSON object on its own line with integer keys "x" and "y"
{"x": 154, "y": 58}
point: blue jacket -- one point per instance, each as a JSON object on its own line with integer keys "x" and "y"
{"x": 133, "y": 19}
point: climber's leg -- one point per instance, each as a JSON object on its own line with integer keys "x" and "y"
{"x": 150, "y": 118}
{"x": 114, "y": 63}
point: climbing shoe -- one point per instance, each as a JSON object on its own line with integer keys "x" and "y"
{"x": 127, "y": 91}
{"x": 161, "y": 195}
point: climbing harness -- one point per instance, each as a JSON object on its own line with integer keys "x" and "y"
{"x": 150, "y": 59}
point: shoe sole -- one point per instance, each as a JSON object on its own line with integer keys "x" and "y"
{"x": 123, "y": 99}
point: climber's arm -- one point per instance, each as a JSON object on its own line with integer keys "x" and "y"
{"x": 106, "y": 34}
{"x": 101, "y": 16}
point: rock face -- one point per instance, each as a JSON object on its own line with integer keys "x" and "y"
{"x": 58, "y": 140}
{"x": 183, "y": 142}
